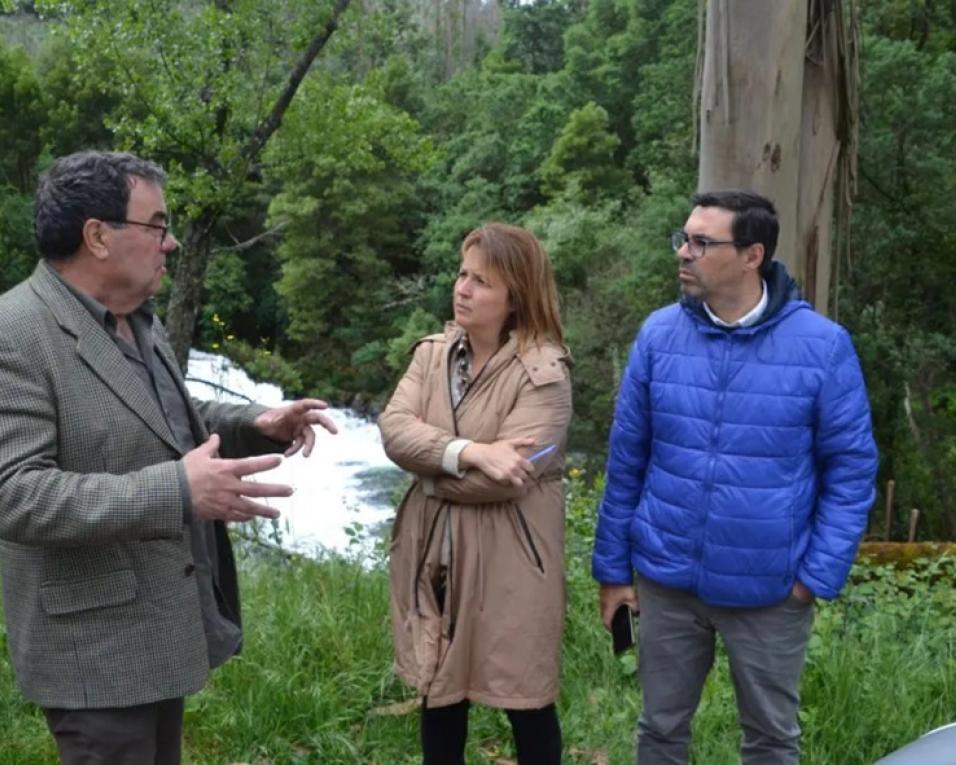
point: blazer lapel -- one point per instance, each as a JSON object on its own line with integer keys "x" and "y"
{"x": 100, "y": 353}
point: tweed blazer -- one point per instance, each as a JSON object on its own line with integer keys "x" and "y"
{"x": 99, "y": 585}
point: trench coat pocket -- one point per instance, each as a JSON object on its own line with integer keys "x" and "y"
{"x": 526, "y": 539}
{"x": 111, "y": 589}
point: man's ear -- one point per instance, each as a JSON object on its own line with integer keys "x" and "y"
{"x": 753, "y": 256}
{"x": 96, "y": 238}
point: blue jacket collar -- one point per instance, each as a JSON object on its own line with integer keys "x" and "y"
{"x": 784, "y": 298}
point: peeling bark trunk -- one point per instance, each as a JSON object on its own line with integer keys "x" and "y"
{"x": 773, "y": 119}
{"x": 751, "y": 103}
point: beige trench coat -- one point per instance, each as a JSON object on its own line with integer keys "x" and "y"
{"x": 497, "y": 640}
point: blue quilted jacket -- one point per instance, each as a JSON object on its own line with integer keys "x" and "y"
{"x": 739, "y": 459}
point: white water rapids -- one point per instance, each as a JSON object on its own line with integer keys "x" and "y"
{"x": 346, "y": 481}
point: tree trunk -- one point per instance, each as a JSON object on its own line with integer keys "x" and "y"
{"x": 774, "y": 119}
{"x": 185, "y": 296}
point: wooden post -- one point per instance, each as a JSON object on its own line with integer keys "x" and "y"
{"x": 888, "y": 522}
{"x": 914, "y": 520}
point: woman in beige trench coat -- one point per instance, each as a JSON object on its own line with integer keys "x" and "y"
{"x": 477, "y": 567}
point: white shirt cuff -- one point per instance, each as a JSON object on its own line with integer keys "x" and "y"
{"x": 449, "y": 460}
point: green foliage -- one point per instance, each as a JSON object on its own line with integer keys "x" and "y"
{"x": 603, "y": 54}
{"x": 260, "y": 362}
{"x": 930, "y": 24}
{"x": 418, "y": 324}
{"x": 17, "y": 253}
{"x": 226, "y": 293}
{"x": 345, "y": 162}
{"x": 663, "y": 110}
{"x": 21, "y": 116}
{"x": 75, "y": 107}
{"x": 533, "y": 34}
{"x": 581, "y": 163}
{"x": 264, "y": 365}
{"x": 896, "y": 295}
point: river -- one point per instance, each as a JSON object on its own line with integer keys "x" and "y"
{"x": 343, "y": 491}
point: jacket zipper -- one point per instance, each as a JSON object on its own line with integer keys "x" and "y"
{"x": 712, "y": 449}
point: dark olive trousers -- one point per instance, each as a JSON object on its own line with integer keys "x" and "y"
{"x": 148, "y": 734}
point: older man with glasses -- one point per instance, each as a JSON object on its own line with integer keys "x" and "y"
{"x": 118, "y": 578}
{"x": 739, "y": 479}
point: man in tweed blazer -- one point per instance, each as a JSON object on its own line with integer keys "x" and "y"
{"x": 119, "y": 583}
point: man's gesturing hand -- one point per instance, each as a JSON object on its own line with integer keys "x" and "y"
{"x": 293, "y": 423}
{"x": 216, "y": 488}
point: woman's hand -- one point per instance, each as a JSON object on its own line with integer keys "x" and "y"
{"x": 500, "y": 461}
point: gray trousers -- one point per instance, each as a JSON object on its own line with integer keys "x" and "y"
{"x": 766, "y": 648}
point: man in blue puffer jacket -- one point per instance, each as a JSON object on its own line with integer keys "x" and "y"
{"x": 740, "y": 476}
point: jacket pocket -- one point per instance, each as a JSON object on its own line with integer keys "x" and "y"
{"x": 112, "y": 589}
{"x": 525, "y": 531}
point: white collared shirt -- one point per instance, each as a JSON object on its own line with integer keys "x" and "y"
{"x": 751, "y": 317}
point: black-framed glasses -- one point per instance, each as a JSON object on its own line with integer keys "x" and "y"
{"x": 163, "y": 227}
{"x": 697, "y": 245}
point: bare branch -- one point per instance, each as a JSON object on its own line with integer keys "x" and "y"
{"x": 272, "y": 122}
{"x": 220, "y": 388}
{"x": 249, "y": 243}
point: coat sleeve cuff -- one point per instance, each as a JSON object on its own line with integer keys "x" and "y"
{"x": 449, "y": 459}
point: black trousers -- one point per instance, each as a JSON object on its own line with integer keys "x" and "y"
{"x": 445, "y": 729}
{"x": 148, "y": 734}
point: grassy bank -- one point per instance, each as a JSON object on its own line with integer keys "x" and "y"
{"x": 314, "y": 683}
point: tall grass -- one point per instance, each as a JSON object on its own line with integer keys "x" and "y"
{"x": 314, "y": 681}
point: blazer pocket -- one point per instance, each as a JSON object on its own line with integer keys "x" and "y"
{"x": 112, "y": 589}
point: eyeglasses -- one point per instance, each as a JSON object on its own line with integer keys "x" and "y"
{"x": 697, "y": 245}
{"x": 164, "y": 227}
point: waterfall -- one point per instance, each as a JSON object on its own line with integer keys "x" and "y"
{"x": 345, "y": 485}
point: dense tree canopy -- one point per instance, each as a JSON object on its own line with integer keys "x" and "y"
{"x": 335, "y": 246}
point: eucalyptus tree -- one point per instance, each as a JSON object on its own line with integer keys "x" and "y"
{"x": 779, "y": 114}
{"x": 202, "y": 86}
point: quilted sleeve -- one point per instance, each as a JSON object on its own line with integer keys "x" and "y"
{"x": 846, "y": 460}
{"x": 627, "y": 461}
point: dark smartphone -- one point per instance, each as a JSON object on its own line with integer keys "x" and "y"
{"x": 622, "y": 629}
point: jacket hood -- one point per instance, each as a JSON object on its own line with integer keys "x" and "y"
{"x": 781, "y": 288}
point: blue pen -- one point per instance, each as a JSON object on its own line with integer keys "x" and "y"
{"x": 543, "y": 453}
